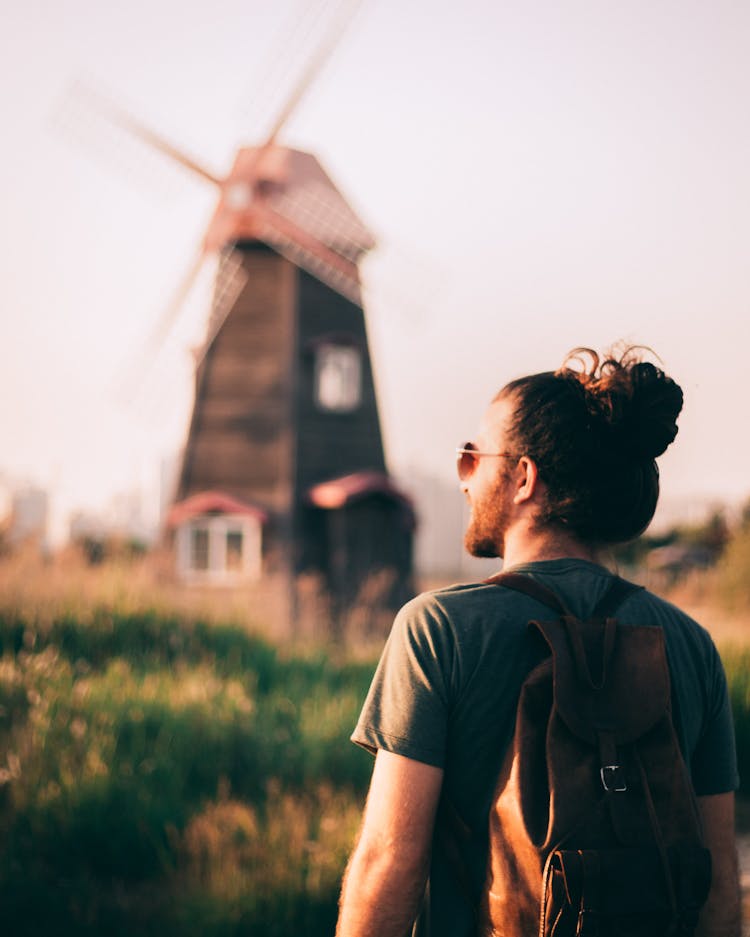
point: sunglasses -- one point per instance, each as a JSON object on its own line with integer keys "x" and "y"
{"x": 468, "y": 456}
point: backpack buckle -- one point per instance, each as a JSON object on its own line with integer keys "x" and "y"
{"x": 613, "y": 778}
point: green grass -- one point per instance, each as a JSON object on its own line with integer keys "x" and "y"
{"x": 159, "y": 774}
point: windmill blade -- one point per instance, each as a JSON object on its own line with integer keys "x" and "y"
{"x": 405, "y": 287}
{"x": 346, "y": 11}
{"x": 125, "y": 121}
{"x": 320, "y": 56}
{"x": 136, "y": 374}
{"x": 78, "y": 118}
{"x": 231, "y": 278}
{"x": 281, "y": 61}
{"x": 169, "y": 316}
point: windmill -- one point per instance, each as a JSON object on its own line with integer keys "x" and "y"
{"x": 283, "y": 470}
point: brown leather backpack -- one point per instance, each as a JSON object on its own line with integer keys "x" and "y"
{"x": 594, "y": 827}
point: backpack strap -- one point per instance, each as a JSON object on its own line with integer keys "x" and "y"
{"x": 617, "y": 591}
{"x": 592, "y": 670}
{"x": 531, "y": 587}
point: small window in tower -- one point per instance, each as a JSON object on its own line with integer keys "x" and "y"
{"x": 338, "y": 378}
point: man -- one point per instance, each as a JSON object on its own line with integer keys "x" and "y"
{"x": 563, "y": 466}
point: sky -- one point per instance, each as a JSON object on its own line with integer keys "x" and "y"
{"x": 539, "y": 176}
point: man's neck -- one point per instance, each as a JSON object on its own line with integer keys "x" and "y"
{"x": 529, "y": 546}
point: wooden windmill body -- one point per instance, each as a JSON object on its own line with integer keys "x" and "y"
{"x": 284, "y": 449}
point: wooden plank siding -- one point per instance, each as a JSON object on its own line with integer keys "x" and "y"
{"x": 241, "y": 435}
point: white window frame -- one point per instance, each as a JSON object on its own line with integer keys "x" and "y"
{"x": 219, "y": 526}
{"x": 338, "y": 377}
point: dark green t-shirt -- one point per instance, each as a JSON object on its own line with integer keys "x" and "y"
{"x": 447, "y": 686}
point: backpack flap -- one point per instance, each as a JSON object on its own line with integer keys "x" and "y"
{"x": 593, "y": 727}
{"x": 597, "y": 695}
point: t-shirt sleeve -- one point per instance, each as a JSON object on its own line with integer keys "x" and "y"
{"x": 406, "y": 709}
{"x": 714, "y": 761}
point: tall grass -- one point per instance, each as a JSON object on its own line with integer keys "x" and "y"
{"x": 736, "y": 660}
{"x": 161, "y": 773}
{"x": 733, "y": 572}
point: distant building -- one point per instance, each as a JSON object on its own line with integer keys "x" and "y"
{"x": 29, "y": 515}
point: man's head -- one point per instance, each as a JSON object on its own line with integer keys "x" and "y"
{"x": 579, "y": 448}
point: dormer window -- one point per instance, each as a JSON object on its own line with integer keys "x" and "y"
{"x": 338, "y": 377}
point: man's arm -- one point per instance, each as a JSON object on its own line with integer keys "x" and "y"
{"x": 722, "y": 914}
{"x": 385, "y": 879}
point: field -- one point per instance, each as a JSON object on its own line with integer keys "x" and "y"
{"x": 172, "y": 766}
{"x": 163, "y": 773}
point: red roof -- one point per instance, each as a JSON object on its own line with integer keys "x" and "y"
{"x": 211, "y": 502}
{"x": 285, "y": 199}
{"x": 338, "y": 492}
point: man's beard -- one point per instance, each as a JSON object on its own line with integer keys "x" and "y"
{"x": 485, "y": 534}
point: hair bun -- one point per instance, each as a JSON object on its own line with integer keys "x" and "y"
{"x": 651, "y": 416}
{"x": 633, "y": 405}
{"x": 594, "y": 429}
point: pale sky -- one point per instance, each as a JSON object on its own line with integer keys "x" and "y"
{"x": 540, "y": 175}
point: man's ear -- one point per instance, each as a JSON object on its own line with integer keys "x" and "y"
{"x": 526, "y": 479}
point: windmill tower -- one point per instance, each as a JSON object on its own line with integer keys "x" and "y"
{"x": 283, "y": 470}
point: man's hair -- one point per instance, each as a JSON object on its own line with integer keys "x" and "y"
{"x": 594, "y": 429}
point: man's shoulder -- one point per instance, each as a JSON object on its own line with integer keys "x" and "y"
{"x": 466, "y": 606}
{"x": 646, "y": 601}
{"x": 644, "y": 607}
{"x": 462, "y": 595}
